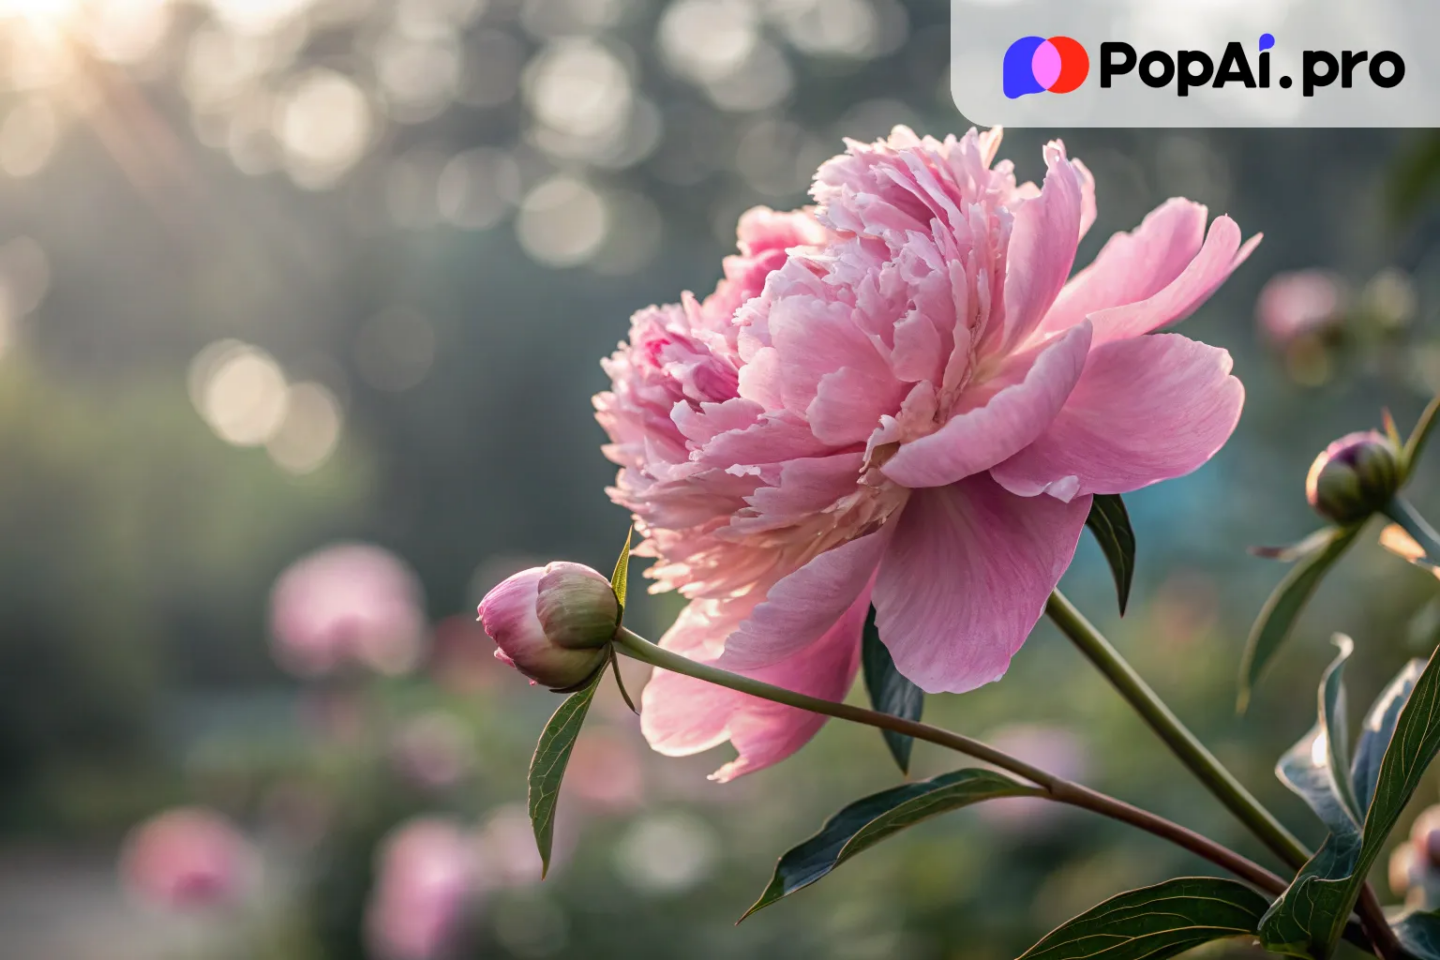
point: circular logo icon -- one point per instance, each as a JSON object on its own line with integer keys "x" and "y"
{"x": 1038, "y": 64}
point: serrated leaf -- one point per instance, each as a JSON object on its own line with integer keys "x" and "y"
{"x": 1277, "y": 618}
{"x": 890, "y": 691}
{"x": 1109, "y": 521}
{"x": 547, "y": 766}
{"x": 1419, "y": 933}
{"x": 1308, "y": 918}
{"x": 1315, "y": 768}
{"x": 866, "y": 822}
{"x": 1153, "y": 923}
{"x": 1376, "y": 732}
{"x": 620, "y": 579}
{"x": 1415, "y": 443}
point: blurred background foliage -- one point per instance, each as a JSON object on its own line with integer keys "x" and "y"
{"x": 276, "y": 273}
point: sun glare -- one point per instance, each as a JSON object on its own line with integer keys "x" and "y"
{"x": 47, "y": 11}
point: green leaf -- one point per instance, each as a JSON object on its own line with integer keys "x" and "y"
{"x": 1153, "y": 923}
{"x": 890, "y": 691}
{"x": 866, "y": 822}
{"x": 621, "y": 577}
{"x": 1316, "y": 768}
{"x": 1308, "y": 918}
{"x": 1419, "y": 933}
{"x": 1376, "y": 732}
{"x": 1336, "y": 722}
{"x": 1110, "y": 522}
{"x": 1415, "y": 444}
{"x": 547, "y": 766}
{"x": 1280, "y": 612}
{"x": 1296, "y": 551}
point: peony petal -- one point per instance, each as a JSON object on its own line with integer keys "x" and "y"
{"x": 806, "y": 487}
{"x": 1146, "y": 409}
{"x": 800, "y": 608}
{"x": 1217, "y": 259}
{"x": 1041, "y": 251}
{"x": 966, "y": 577}
{"x": 1133, "y": 266}
{"x": 1088, "y": 208}
{"x": 1004, "y": 424}
{"x": 849, "y": 403}
{"x": 682, "y": 716}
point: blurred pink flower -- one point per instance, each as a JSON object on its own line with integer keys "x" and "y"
{"x": 432, "y": 750}
{"x": 1415, "y": 864}
{"x": 912, "y": 407}
{"x": 507, "y": 845}
{"x": 350, "y": 604}
{"x": 426, "y": 881}
{"x": 1299, "y": 304}
{"x": 605, "y": 771}
{"x": 187, "y": 858}
{"x": 1050, "y": 748}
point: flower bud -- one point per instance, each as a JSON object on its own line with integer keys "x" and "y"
{"x": 554, "y": 624}
{"x": 1355, "y": 476}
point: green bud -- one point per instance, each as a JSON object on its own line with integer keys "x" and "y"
{"x": 1356, "y": 476}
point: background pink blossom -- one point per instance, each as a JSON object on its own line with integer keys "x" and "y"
{"x": 187, "y": 858}
{"x": 426, "y": 878}
{"x": 349, "y": 604}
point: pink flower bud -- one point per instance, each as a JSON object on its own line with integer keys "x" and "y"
{"x": 185, "y": 859}
{"x": 1355, "y": 476}
{"x": 554, "y": 624}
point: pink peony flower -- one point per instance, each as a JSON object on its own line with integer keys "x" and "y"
{"x": 1300, "y": 304}
{"x": 187, "y": 858}
{"x": 912, "y": 407}
{"x": 426, "y": 879}
{"x": 351, "y": 604}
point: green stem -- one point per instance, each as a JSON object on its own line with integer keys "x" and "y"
{"x": 1055, "y": 788}
{"x": 1180, "y": 740}
{"x": 1409, "y": 519}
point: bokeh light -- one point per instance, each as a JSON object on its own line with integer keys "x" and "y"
{"x": 562, "y": 222}
{"x": 310, "y": 431}
{"x": 240, "y": 391}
